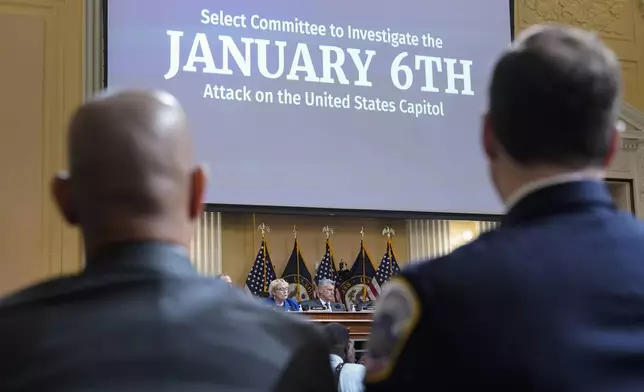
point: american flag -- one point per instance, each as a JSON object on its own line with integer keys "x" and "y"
{"x": 326, "y": 269}
{"x": 362, "y": 285}
{"x": 388, "y": 266}
{"x": 262, "y": 273}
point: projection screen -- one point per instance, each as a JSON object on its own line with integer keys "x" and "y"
{"x": 371, "y": 105}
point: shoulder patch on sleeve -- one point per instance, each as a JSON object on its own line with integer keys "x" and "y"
{"x": 397, "y": 313}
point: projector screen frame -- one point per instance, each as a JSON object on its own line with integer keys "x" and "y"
{"x": 312, "y": 211}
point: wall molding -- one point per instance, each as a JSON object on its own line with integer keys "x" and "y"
{"x": 485, "y": 226}
{"x": 629, "y": 163}
{"x": 428, "y": 238}
{"x": 634, "y": 121}
{"x": 206, "y": 247}
{"x": 93, "y": 53}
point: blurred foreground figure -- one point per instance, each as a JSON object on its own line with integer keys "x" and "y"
{"x": 139, "y": 317}
{"x": 226, "y": 278}
{"x": 349, "y": 376}
{"x": 554, "y": 299}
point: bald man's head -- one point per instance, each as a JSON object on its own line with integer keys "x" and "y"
{"x": 131, "y": 165}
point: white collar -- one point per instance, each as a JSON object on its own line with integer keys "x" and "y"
{"x": 534, "y": 186}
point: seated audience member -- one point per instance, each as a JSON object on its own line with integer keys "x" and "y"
{"x": 278, "y": 291}
{"x": 226, "y": 278}
{"x": 326, "y": 297}
{"x": 139, "y": 317}
{"x": 349, "y": 376}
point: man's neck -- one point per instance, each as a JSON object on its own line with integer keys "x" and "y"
{"x": 102, "y": 236}
{"x": 521, "y": 186}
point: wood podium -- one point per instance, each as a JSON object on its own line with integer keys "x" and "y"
{"x": 358, "y": 323}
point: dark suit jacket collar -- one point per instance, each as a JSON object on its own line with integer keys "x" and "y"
{"x": 155, "y": 258}
{"x": 560, "y": 199}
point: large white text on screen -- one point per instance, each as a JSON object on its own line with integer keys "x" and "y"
{"x": 331, "y": 69}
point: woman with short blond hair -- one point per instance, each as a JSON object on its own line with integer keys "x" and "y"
{"x": 278, "y": 291}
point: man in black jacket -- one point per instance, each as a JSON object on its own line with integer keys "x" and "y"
{"x": 139, "y": 317}
{"x": 554, "y": 299}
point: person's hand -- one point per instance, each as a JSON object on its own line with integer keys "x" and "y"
{"x": 351, "y": 352}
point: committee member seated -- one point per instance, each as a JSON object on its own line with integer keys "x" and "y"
{"x": 326, "y": 296}
{"x": 140, "y": 317}
{"x": 349, "y": 376}
{"x": 278, "y": 296}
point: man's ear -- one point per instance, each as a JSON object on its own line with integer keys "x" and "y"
{"x": 487, "y": 138}
{"x": 198, "y": 187}
{"x": 613, "y": 146}
{"x": 61, "y": 189}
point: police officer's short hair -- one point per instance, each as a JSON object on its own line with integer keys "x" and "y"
{"x": 554, "y": 97}
{"x": 324, "y": 282}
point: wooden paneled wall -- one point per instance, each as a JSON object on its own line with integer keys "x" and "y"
{"x": 619, "y": 22}
{"x": 41, "y": 47}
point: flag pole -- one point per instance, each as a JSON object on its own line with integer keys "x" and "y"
{"x": 364, "y": 265}
{"x": 389, "y": 232}
{"x": 391, "y": 269}
{"x": 328, "y": 232}
{"x": 263, "y": 229}
{"x": 297, "y": 262}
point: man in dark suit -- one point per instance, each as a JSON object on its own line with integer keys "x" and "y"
{"x": 554, "y": 299}
{"x": 326, "y": 297}
{"x": 139, "y": 317}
